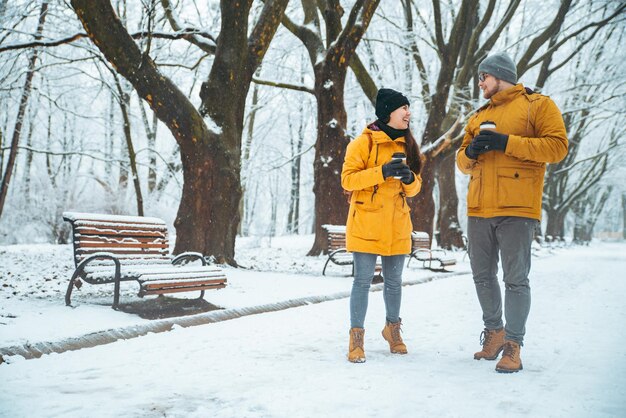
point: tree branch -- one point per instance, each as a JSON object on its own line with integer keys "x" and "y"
{"x": 178, "y": 27}
{"x": 184, "y": 34}
{"x": 283, "y": 85}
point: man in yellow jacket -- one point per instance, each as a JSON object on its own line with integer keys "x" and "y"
{"x": 506, "y": 159}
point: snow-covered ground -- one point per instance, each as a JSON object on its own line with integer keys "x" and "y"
{"x": 291, "y": 363}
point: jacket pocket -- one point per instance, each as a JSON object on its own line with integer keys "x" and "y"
{"x": 367, "y": 220}
{"x": 516, "y": 187}
{"x": 402, "y": 224}
{"x": 475, "y": 189}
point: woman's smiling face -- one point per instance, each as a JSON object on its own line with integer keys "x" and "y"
{"x": 400, "y": 118}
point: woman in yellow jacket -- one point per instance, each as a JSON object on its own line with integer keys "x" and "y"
{"x": 379, "y": 221}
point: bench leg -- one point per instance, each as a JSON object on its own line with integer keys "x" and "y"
{"x": 70, "y": 287}
{"x": 201, "y": 294}
{"x": 325, "y": 264}
{"x": 116, "y": 296}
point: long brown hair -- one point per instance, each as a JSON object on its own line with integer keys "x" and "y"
{"x": 413, "y": 155}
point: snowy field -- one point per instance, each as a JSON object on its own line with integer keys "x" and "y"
{"x": 291, "y": 363}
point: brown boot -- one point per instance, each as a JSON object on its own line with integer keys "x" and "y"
{"x": 391, "y": 333}
{"x": 510, "y": 361}
{"x": 356, "y": 354}
{"x": 493, "y": 342}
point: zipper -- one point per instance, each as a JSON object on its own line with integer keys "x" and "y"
{"x": 403, "y": 195}
{"x": 376, "y": 159}
{"x": 375, "y": 191}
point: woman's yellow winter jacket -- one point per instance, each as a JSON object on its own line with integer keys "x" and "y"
{"x": 379, "y": 221}
{"x": 510, "y": 183}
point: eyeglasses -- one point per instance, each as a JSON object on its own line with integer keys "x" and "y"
{"x": 482, "y": 77}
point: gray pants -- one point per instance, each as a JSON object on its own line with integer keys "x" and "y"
{"x": 510, "y": 237}
{"x": 364, "y": 268}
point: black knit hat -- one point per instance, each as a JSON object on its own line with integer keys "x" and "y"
{"x": 388, "y": 100}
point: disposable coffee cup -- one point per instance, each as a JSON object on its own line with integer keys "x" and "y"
{"x": 488, "y": 126}
{"x": 398, "y": 156}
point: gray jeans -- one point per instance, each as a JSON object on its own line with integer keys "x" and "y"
{"x": 364, "y": 265}
{"x": 509, "y": 237}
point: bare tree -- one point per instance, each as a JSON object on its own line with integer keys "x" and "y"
{"x": 330, "y": 56}
{"x": 459, "y": 56}
{"x": 587, "y": 211}
{"x": 208, "y": 217}
{"x": 17, "y": 130}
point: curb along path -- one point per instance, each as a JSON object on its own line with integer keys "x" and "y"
{"x": 36, "y": 350}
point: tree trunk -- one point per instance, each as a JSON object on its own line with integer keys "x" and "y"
{"x": 29, "y": 156}
{"x": 623, "y": 215}
{"x": 293, "y": 218}
{"x": 555, "y": 223}
{"x": 331, "y": 206}
{"x": 243, "y": 230}
{"x": 450, "y": 234}
{"x": 208, "y": 214}
{"x": 124, "y": 102}
{"x": 151, "y": 133}
{"x": 30, "y": 73}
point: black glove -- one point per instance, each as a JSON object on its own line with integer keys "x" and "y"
{"x": 472, "y": 151}
{"x": 486, "y": 141}
{"x": 408, "y": 179}
{"x": 491, "y": 140}
{"x": 395, "y": 168}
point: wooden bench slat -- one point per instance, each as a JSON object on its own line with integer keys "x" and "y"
{"x": 185, "y": 283}
{"x": 145, "y": 245}
{"x": 151, "y": 226}
{"x": 116, "y": 233}
{"x": 120, "y": 239}
{"x": 180, "y": 289}
{"x": 120, "y": 250}
{"x": 149, "y": 277}
{"x": 138, "y": 259}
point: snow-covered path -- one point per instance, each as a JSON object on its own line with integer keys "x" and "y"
{"x": 292, "y": 363}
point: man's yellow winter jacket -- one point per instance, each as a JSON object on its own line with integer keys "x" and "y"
{"x": 379, "y": 220}
{"x": 510, "y": 183}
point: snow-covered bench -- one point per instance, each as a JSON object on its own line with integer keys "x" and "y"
{"x": 337, "y": 252}
{"x": 434, "y": 259}
{"x": 112, "y": 249}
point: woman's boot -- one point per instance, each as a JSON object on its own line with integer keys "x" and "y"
{"x": 391, "y": 333}
{"x": 356, "y": 354}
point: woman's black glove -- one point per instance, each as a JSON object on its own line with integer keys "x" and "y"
{"x": 395, "y": 168}
{"x": 408, "y": 179}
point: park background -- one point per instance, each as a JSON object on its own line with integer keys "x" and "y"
{"x": 229, "y": 120}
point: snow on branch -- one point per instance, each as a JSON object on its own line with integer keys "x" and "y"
{"x": 444, "y": 141}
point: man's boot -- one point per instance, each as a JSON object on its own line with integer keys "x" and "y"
{"x": 493, "y": 342}
{"x": 391, "y": 333}
{"x": 510, "y": 361}
{"x": 356, "y": 354}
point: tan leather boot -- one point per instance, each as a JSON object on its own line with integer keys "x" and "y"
{"x": 391, "y": 333}
{"x": 511, "y": 361}
{"x": 493, "y": 342}
{"x": 356, "y": 354}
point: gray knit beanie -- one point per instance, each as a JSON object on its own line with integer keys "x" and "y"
{"x": 500, "y": 66}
